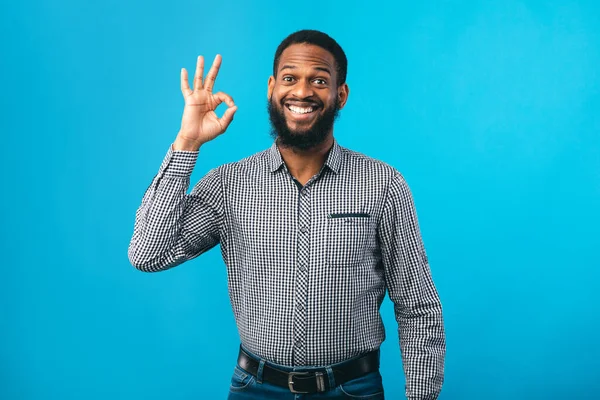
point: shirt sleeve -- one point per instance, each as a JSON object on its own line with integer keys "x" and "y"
{"x": 171, "y": 226}
{"x": 417, "y": 306}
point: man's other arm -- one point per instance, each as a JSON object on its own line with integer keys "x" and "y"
{"x": 417, "y": 306}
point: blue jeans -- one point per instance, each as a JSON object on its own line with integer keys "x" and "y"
{"x": 246, "y": 387}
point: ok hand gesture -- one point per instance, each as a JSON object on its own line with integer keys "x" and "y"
{"x": 200, "y": 123}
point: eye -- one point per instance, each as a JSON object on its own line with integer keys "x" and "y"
{"x": 320, "y": 81}
{"x": 287, "y": 79}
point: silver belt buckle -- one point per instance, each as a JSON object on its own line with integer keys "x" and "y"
{"x": 318, "y": 377}
{"x": 291, "y": 381}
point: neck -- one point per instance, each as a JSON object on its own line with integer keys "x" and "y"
{"x": 304, "y": 164}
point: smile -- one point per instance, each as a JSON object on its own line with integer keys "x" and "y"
{"x": 300, "y": 110}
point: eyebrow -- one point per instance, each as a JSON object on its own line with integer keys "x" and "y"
{"x": 294, "y": 67}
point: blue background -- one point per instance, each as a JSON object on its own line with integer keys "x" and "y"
{"x": 491, "y": 110}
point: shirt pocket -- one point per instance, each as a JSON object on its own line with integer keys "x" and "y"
{"x": 347, "y": 238}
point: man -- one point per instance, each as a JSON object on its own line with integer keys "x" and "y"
{"x": 312, "y": 235}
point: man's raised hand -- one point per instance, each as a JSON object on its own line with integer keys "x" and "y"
{"x": 200, "y": 123}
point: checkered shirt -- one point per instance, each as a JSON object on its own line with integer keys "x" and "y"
{"x": 308, "y": 266}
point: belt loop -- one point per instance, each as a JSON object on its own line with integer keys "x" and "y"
{"x": 259, "y": 373}
{"x": 331, "y": 378}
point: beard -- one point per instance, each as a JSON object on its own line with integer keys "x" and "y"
{"x": 304, "y": 139}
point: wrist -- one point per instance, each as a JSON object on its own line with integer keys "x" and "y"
{"x": 185, "y": 145}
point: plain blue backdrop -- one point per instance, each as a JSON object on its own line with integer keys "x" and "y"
{"x": 491, "y": 110}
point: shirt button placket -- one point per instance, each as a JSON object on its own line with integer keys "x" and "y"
{"x": 303, "y": 256}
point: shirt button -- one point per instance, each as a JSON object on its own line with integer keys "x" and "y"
{"x": 299, "y": 306}
{"x": 303, "y": 229}
{"x": 302, "y": 268}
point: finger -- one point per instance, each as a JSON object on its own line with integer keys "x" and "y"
{"x": 212, "y": 74}
{"x": 199, "y": 73}
{"x": 227, "y": 117}
{"x": 185, "y": 86}
{"x": 224, "y": 98}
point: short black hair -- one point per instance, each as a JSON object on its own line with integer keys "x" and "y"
{"x": 320, "y": 39}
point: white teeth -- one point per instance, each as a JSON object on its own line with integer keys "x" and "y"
{"x": 300, "y": 110}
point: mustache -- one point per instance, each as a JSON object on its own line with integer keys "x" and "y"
{"x": 314, "y": 100}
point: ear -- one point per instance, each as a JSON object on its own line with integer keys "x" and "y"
{"x": 270, "y": 87}
{"x": 343, "y": 92}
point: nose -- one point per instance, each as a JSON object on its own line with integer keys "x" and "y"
{"x": 303, "y": 89}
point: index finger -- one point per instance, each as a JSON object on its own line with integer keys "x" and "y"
{"x": 209, "y": 82}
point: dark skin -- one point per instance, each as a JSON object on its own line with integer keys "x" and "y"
{"x": 307, "y": 79}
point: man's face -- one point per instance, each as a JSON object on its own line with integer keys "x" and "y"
{"x": 304, "y": 98}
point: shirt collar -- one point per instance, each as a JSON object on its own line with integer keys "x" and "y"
{"x": 333, "y": 161}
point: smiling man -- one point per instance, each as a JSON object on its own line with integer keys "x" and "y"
{"x": 312, "y": 234}
{"x": 302, "y": 115}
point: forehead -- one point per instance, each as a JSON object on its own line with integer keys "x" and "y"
{"x": 306, "y": 56}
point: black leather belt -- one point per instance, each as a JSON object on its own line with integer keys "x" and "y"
{"x": 315, "y": 380}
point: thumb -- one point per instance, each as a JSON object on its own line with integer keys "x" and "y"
{"x": 227, "y": 117}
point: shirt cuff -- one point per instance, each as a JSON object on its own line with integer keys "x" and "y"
{"x": 178, "y": 163}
